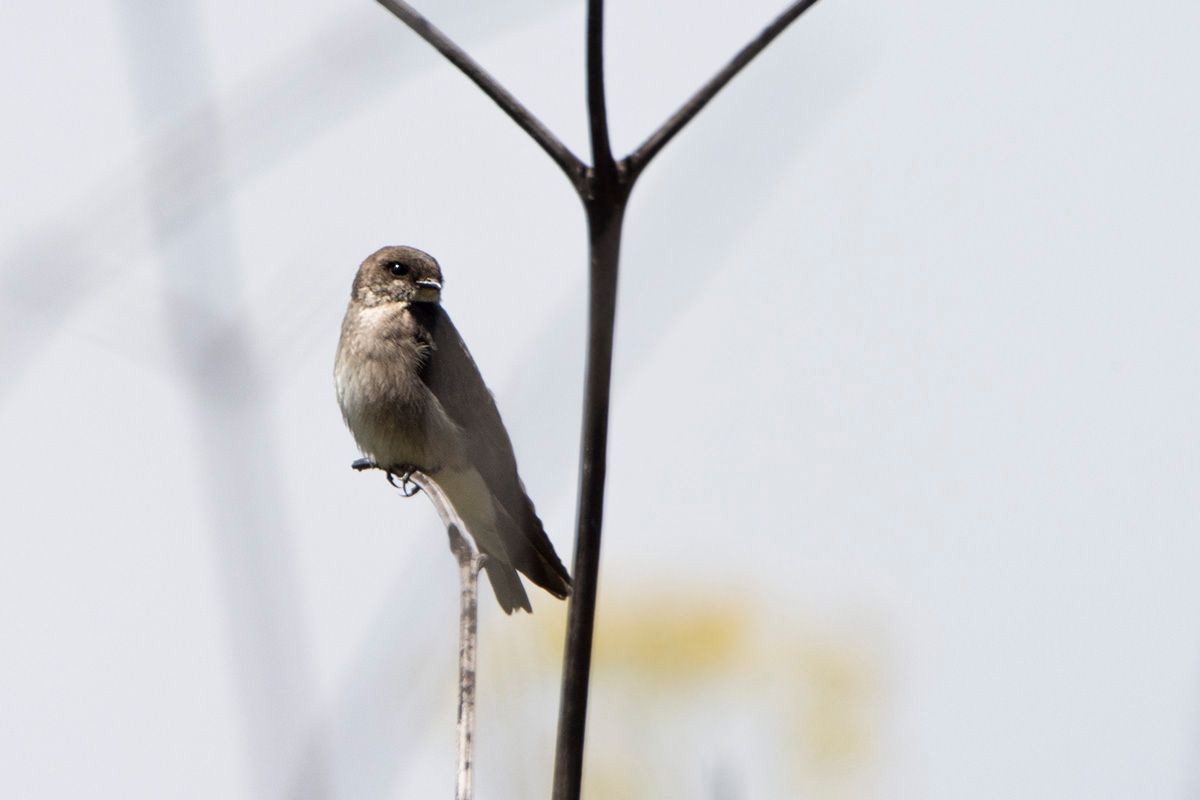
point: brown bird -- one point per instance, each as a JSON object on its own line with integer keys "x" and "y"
{"x": 415, "y": 401}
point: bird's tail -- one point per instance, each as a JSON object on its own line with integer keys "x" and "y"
{"x": 508, "y": 545}
{"x": 521, "y": 552}
{"x": 534, "y": 556}
{"x": 507, "y": 586}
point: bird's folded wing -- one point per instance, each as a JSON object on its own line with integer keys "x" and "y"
{"x": 452, "y": 377}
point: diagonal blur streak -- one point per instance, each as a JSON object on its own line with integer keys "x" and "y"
{"x": 251, "y": 548}
{"x": 99, "y": 234}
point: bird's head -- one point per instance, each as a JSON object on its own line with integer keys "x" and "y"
{"x": 398, "y": 274}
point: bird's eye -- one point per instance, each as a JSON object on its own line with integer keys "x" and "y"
{"x": 398, "y": 269}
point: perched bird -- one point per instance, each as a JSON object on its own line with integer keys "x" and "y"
{"x": 415, "y": 401}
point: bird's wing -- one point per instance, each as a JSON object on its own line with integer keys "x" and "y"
{"x": 451, "y": 375}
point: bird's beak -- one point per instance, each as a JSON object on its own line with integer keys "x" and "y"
{"x": 429, "y": 290}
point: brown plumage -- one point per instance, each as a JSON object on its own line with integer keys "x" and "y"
{"x": 414, "y": 399}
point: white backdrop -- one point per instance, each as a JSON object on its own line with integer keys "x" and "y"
{"x": 903, "y": 495}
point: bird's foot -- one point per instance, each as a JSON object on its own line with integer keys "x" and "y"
{"x": 404, "y": 472}
{"x": 401, "y": 472}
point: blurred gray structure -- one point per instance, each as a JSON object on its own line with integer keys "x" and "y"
{"x": 903, "y": 483}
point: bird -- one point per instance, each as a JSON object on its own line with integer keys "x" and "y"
{"x": 414, "y": 400}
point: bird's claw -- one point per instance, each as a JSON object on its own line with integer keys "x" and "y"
{"x": 407, "y": 486}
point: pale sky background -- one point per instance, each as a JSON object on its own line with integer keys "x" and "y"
{"x": 905, "y": 400}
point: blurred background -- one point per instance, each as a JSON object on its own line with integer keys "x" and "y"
{"x": 904, "y": 489}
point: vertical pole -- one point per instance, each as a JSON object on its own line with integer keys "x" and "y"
{"x": 604, "y": 223}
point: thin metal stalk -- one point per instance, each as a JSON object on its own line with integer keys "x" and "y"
{"x": 605, "y": 222}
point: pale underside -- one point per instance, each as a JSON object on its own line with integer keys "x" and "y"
{"x": 399, "y": 424}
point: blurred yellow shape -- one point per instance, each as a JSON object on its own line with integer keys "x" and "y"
{"x": 668, "y": 640}
{"x": 686, "y": 682}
